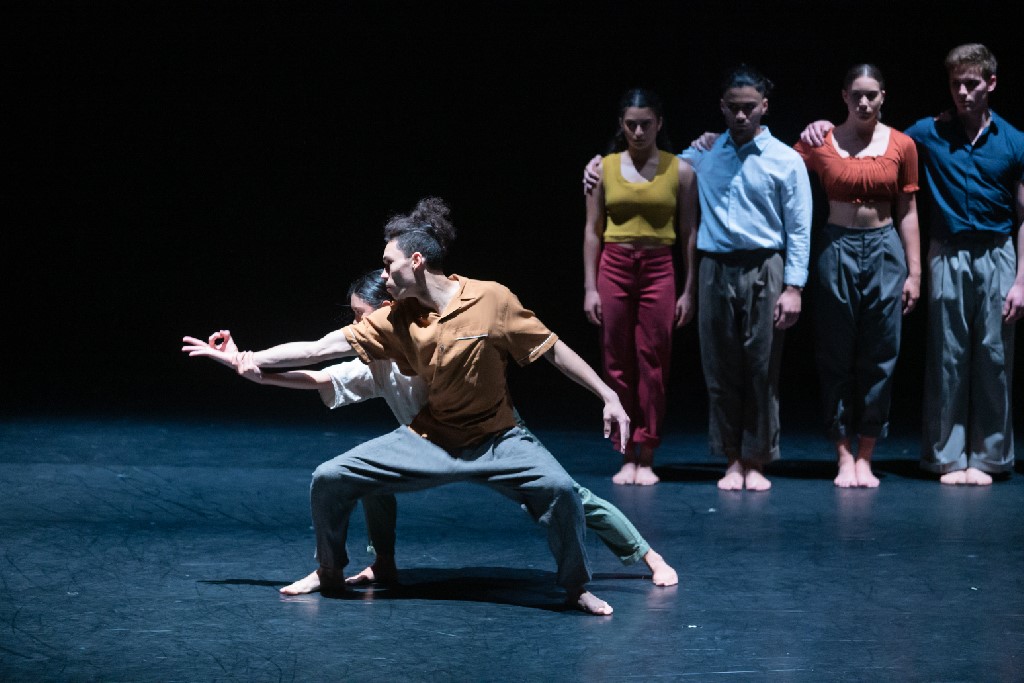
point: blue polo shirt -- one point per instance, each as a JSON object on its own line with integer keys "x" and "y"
{"x": 973, "y": 187}
{"x": 757, "y": 196}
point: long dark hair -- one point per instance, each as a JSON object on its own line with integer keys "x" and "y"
{"x": 868, "y": 70}
{"x": 641, "y": 99}
{"x": 371, "y": 288}
{"x": 425, "y": 229}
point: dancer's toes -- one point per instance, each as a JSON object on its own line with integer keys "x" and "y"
{"x": 976, "y": 477}
{"x": 383, "y": 571}
{"x": 662, "y": 573}
{"x": 755, "y": 481}
{"x": 731, "y": 482}
{"x": 627, "y": 475}
{"x": 591, "y": 604}
{"x": 847, "y": 476}
{"x": 954, "y": 478}
{"x": 733, "y": 479}
{"x": 865, "y": 477}
{"x": 645, "y": 476}
{"x": 307, "y": 584}
{"x": 362, "y": 578}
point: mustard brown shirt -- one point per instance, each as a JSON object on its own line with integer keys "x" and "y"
{"x": 461, "y": 353}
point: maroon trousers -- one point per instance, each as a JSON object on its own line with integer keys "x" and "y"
{"x": 638, "y": 294}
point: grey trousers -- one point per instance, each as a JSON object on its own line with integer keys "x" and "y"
{"x": 604, "y": 519}
{"x": 741, "y": 352}
{"x": 512, "y": 463}
{"x": 858, "y": 316}
{"x": 969, "y": 366}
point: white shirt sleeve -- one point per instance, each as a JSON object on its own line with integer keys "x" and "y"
{"x": 351, "y": 382}
{"x": 355, "y": 381}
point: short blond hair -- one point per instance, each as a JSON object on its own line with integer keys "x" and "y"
{"x": 971, "y": 54}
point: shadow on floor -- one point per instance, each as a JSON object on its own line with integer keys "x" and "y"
{"x": 533, "y": 589}
{"x": 824, "y": 470}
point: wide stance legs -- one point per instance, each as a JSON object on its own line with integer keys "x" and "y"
{"x": 512, "y": 463}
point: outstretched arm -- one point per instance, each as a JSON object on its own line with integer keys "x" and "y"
{"x": 296, "y": 354}
{"x": 351, "y": 382}
{"x": 576, "y": 369}
{"x": 293, "y": 354}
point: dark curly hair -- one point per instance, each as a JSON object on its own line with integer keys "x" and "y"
{"x": 425, "y": 229}
{"x": 745, "y": 76}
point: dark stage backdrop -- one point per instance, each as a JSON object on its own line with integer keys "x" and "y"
{"x": 174, "y": 168}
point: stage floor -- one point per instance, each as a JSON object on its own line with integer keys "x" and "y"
{"x": 153, "y": 551}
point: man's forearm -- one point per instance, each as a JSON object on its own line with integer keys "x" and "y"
{"x": 298, "y": 354}
{"x": 577, "y": 369}
{"x": 1020, "y": 255}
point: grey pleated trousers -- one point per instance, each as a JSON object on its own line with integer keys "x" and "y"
{"x": 969, "y": 366}
{"x": 741, "y": 352}
{"x": 858, "y": 317}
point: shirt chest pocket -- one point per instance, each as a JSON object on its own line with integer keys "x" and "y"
{"x": 460, "y": 343}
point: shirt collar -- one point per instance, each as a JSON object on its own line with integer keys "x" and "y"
{"x": 760, "y": 140}
{"x": 954, "y": 124}
{"x": 466, "y": 294}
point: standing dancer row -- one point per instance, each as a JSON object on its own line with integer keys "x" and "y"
{"x": 974, "y": 166}
{"x": 868, "y": 269}
{"x": 754, "y": 240}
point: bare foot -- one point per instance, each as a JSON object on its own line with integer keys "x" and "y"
{"x": 383, "y": 570}
{"x": 627, "y": 475}
{"x": 865, "y": 477}
{"x": 308, "y": 584}
{"x": 664, "y": 575}
{"x": 976, "y": 477}
{"x": 756, "y": 481}
{"x": 733, "y": 479}
{"x": 591, "y": 604}
{"x": 847, "y": 476}
{"x": 953, "y": 478}
{"x": 645, "y": 476}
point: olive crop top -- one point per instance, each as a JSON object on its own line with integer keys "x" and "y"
{"x": 857, "y": 180}
{"x": 644, "y": 210}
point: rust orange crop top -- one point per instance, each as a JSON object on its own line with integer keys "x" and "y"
{"x": 856, "y": 180}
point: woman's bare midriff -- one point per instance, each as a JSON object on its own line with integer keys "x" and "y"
{"x": 640, "y": 244}
{"x": 862, "y": 216}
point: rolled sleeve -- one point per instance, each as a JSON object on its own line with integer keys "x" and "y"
{"x": 527, "y": 337}
{"x": 351, "y": 382}
{"x": 374, "y": 338}
{"x": 908, "y": 178}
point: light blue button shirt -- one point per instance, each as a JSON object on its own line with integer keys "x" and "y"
{"x": 757, "y": 196}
